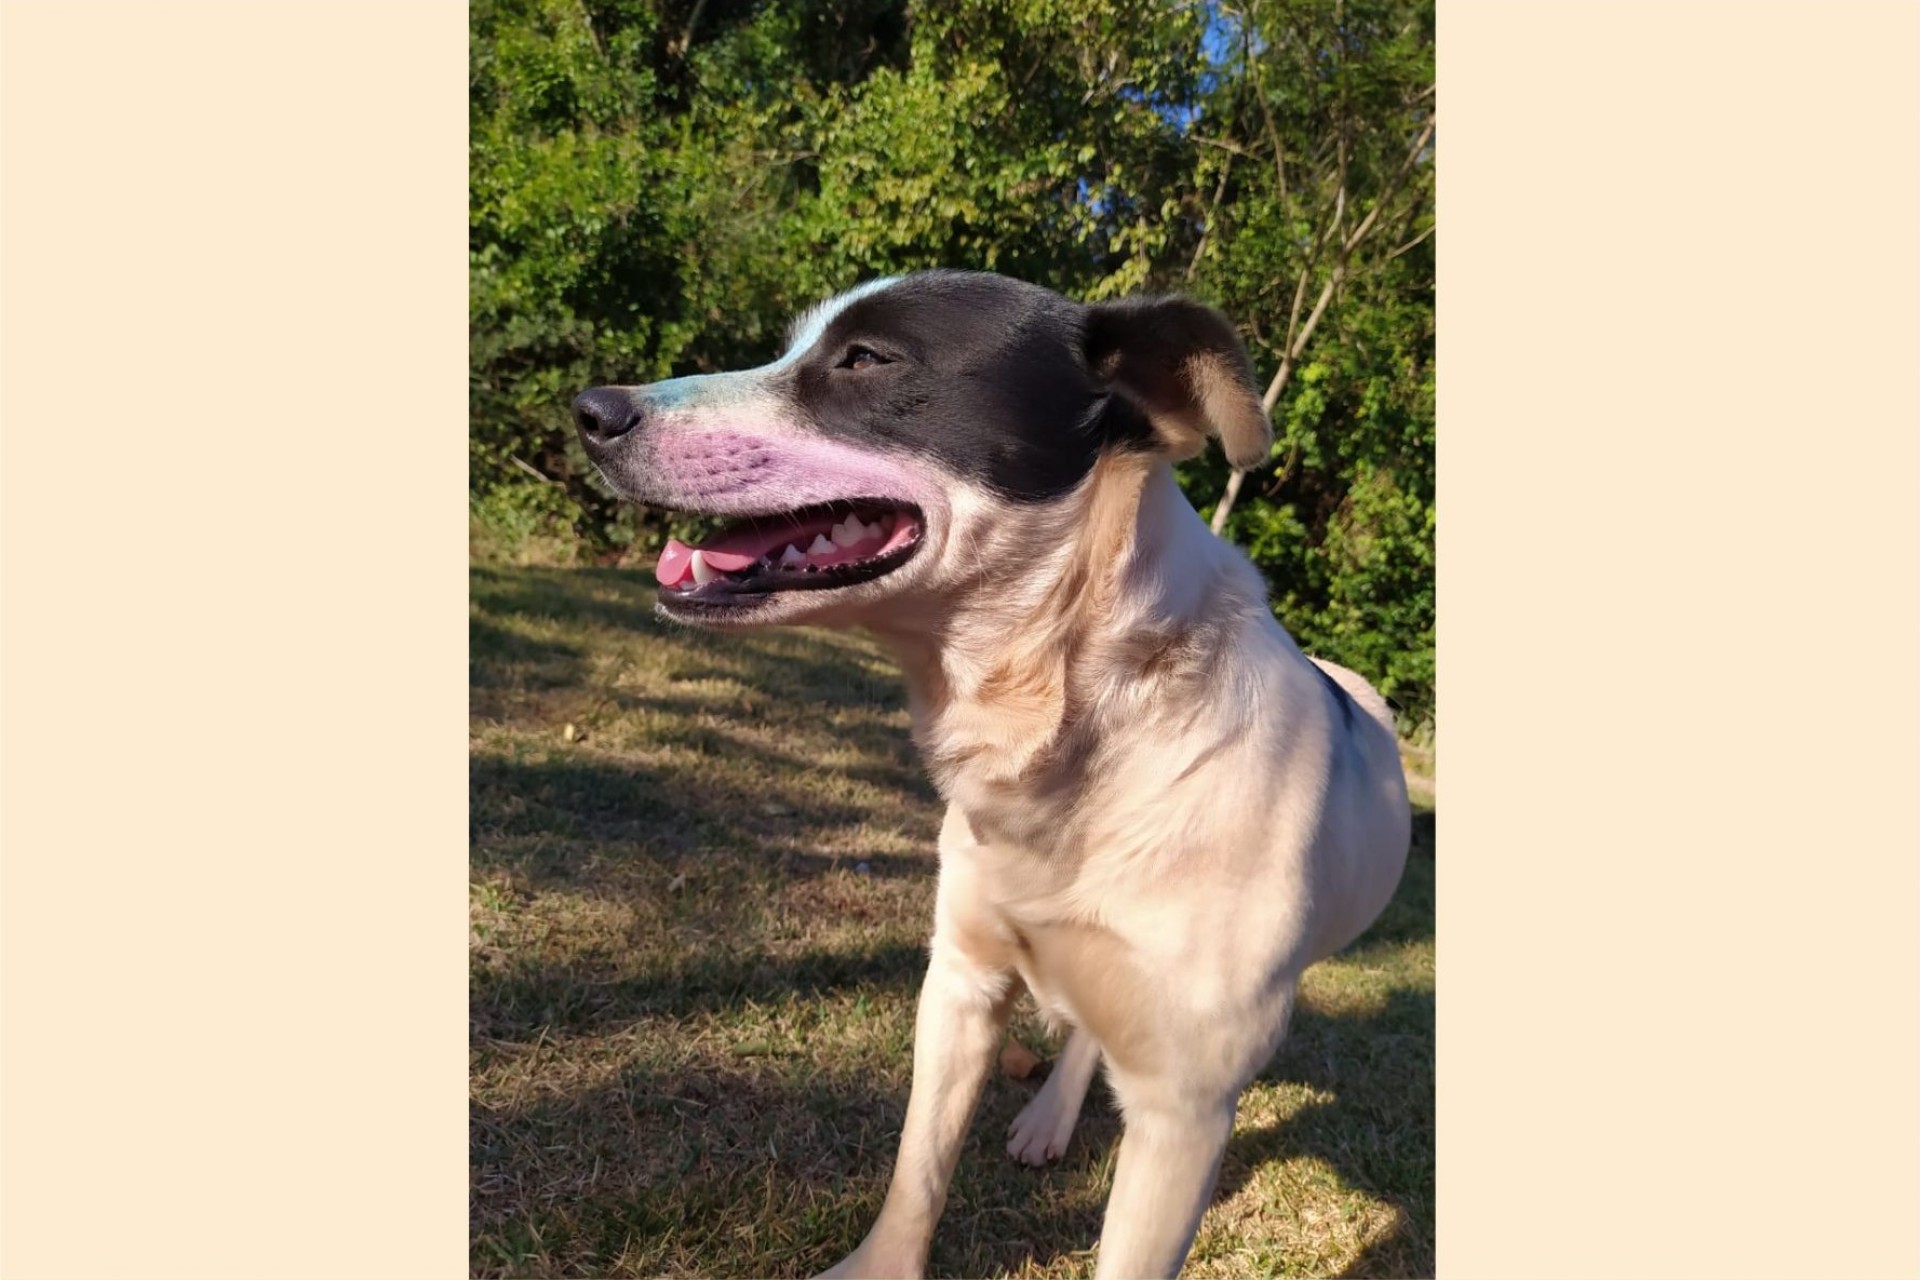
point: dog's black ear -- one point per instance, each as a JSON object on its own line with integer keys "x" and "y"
{"x": 1184, "y": 365}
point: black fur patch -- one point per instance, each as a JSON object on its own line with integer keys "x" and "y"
{"x": 986, "y": 374}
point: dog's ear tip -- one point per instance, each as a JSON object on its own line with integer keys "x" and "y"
{"x": 1186, "y": 365}
{"x": 1236, "y": 414}
{"x": 1248, "y": 452}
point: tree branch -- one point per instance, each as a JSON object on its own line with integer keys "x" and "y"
{"x": 1345, "y": 120}
{"x": 1297, "y": 344}
{"x": 1260, "y": 92}
{"x": 530, "y": 469}
{"x": 586, "y": 20}
{"x": 1213, "y": 207}
{"x": 1392, "y": 188}
{"x": 681, "y": 47}
{"x": 1410, "y": 244}
{"x": 1231, "y": 147}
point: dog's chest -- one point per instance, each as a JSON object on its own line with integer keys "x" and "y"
{"x": 1044, "y": 816}
{"x": 1029, "y": 792}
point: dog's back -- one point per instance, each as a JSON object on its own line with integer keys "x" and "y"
{"x": 1375, "y": 820}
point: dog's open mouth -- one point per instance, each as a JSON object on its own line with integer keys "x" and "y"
{"x": 835, "y": 544}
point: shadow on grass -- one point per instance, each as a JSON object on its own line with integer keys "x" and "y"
{"x": 549, "y": 664}
{"x": 620, "y": 598}
{"x": 1376, "y": 1133}
{"x": 887, "y": 755}
{"x": 774, "y": 1162}
{"x": 544, "y": 1005}
{"x": 711, "y": 1082}
{"x": 656, "y": 811}
{"x": 833, "y": 669}
{"x": 716, "y": 1170}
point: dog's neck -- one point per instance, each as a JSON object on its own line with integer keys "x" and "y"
{"x": 1023, "y": 678}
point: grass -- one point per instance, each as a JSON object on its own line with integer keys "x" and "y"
{"x": 702, "y": 873}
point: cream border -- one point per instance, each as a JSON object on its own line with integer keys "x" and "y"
{"x": 233, "y": 537}
{"x": 1678, "y": 637}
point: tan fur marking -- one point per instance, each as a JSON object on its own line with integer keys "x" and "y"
{"x": 1017, "y": 709}
{"x": 1208, "y": 397}
{"x": 1231, "y": 408}
{"x": 975, "y": 936}
{"x": 1184, "y": 365}
{"x": 1100, "y": 978}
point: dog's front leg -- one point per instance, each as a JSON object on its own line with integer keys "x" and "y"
{"x": 1169, "y": 1160}
{"x": 963, "y": 1010}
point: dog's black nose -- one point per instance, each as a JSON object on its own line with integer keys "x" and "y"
{"x": 605, "y": 413}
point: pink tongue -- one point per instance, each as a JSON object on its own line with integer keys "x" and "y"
{"x": 740, "y": 550}
{"x": 727, "y": 561}
{"x": 676, "y": 562}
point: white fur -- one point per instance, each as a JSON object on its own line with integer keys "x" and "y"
{"x": 1157, "y": 817}
{"x": 1157, "y": 850}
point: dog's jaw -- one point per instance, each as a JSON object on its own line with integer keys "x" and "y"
{"x": 806, "y": 569}
{"x": 744, "y": 457}
{"x": 786, "y": 561}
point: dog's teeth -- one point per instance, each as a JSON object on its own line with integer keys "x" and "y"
{"x": 703, "y": 573}
{"x": 792, "y": 556}
{"x": 848, "y": 532}
{"x": 874, "y": 530}
{"x": 820, "y": 547}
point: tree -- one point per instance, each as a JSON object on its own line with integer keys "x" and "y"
{"x": 658, "y": 186}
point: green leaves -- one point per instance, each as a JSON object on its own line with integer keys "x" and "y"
{"x": 657, "y": 187}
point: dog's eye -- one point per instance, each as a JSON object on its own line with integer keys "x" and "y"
{"x": 862, "y": 358}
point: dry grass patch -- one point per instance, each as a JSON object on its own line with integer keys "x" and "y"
{"x": 702, "y": 871}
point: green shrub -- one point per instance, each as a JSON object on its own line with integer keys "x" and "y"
{"x": 657, "y": 187}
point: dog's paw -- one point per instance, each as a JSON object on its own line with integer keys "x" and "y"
{"x": 1040, "y": 1132}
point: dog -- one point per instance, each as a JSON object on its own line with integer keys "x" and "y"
{"x": 1159, "y": 810}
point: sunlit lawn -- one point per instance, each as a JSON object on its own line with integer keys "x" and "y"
{"x": 698, "y": 920}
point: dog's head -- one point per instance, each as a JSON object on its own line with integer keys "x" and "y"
{"x": 920, "y": 433}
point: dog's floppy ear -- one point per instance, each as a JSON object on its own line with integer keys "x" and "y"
{"x": 1184, "y": 365}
